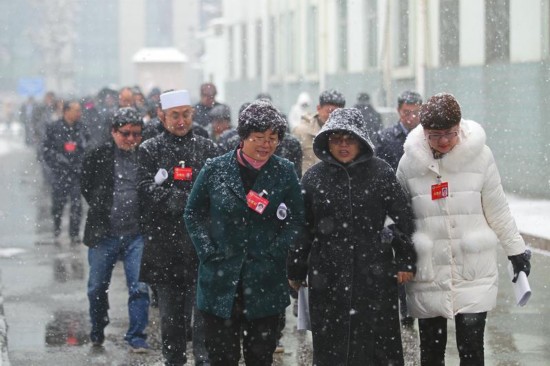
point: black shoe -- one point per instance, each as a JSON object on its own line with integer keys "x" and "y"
{"x": 407, "y": 322}
{"x": 97, "y": 338}
{"x": 75, "y": 241}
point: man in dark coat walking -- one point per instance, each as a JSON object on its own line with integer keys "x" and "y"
{"x": 63, "y": 150}
{"x": 205, "y": 105}
{"x": 373, "y": 120}
{"x": 390, "y": 141}
{"x": 390, "y": 148}
{"x": 169, "y": 165}
{"x": 112, "y": 233}
{"x": 352, "y": 274}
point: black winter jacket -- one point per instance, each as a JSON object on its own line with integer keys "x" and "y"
{"x": 63, "y": 148}
{"x": 351, "y": 272}
{"x": 97, "y": 187}
{"x": 169, "y": 255}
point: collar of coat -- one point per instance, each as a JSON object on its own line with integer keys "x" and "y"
{"x": 472, "y": 141}
{"x": 265, "y": 180}
{"x": 178, "y": 139}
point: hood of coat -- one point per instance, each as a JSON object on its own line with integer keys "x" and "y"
{"x": 472, "y": 141}
{"x": 346, "y": 120}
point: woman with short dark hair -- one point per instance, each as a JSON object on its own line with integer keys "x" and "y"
{"x": 243, "y": 214}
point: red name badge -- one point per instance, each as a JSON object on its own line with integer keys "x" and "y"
{"x": 183, "y": 173}
{"x": 440, "y": 190}
{"x": 70, "y": 146}
{"x": 256, "y": 202}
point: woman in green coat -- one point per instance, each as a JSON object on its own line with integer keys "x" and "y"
{"x": 243, "y": 214}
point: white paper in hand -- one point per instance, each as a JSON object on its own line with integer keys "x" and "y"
{"x": 522, "y": 290}
{"x": 161, "y": 176}
{"x": 304, "y": 322}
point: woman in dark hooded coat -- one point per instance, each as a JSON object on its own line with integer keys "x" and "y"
{"x": 352, "y": 273}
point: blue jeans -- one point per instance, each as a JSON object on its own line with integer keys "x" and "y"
{"x": 102, "y": 259}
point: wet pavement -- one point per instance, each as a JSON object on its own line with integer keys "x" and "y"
{"x": 45, "y": 303}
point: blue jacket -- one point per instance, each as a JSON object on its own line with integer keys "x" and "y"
{"x": 237, "y": 245}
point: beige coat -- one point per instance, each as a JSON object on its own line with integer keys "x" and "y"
{"x": 306, "y": 131}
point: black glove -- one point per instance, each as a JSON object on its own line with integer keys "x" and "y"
{"x": 520, "y": 263}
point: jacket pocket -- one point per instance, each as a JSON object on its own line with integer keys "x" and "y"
{"x": 479, "y": 254}
{"x": 424, "y": 247}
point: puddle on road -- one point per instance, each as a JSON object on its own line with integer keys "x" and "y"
{"x": 67, "y": 328}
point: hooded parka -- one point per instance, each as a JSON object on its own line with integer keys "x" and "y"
{"x": 351, "y": 271}
{"x": 456, "y": 237}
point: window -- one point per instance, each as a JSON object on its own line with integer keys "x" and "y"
{"x": 497, "y": 31}
{"x": 402, "y": 57}
{"x": 290, "y": 54}
{"x": 158, "y": 31}
{"x": 272, "y": 45}
{"x": 259, "y": 48}
{"x": 449, "y": 40}
{"x": 230, "y": 55}
{"x": 371, "y": 48}
{"x": 342, "y": 46}
{"x": 244, "y": 51}
{"x": 312, "y": 39}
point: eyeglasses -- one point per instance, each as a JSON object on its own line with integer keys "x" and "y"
{"x": 262, "y": 140}
{"x": 436, "y": 137}
{"x": 411, "y": 113}
{"x": 186, "y": 115}
{"x": 341, "y": 139}
{"x": 127, "y": 134}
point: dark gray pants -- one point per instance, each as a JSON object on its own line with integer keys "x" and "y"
{"x": 171, "y": 301}
{"x": 62, "y": 189}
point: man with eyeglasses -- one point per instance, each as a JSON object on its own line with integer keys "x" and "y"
{"x": 390, "y": 141}
{"x": 309, "y": 126}
{"x": 169, "y": 163}
{"x": 109, "y": 185}
{"x": 389, "y": 146}
{"x": 207, "y": 102}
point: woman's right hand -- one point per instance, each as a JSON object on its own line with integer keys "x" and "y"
{"x": 296, "y": 284}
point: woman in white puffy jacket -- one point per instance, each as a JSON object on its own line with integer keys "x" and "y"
{"x": 461, "y": 215}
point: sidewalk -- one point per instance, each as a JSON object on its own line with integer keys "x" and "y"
{"x": 532, "y": 218}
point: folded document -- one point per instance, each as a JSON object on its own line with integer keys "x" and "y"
{"x": 522, "y": 290}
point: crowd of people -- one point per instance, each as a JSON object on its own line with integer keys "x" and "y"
{"x": 220, "y": 225}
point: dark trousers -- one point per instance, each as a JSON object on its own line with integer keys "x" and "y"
{"x": 68, "y": 187}
{"x": 470, "y": 329}
{"x": 171, "y": 302}
{"x": 223, "y": 337}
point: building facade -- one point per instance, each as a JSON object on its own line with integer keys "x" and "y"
{"x": 493, "y": 55}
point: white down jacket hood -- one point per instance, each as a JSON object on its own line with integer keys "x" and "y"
{"x": 456, "y": 237}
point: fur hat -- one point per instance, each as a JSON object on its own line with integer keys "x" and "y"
{"x": 440, "y": 112}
